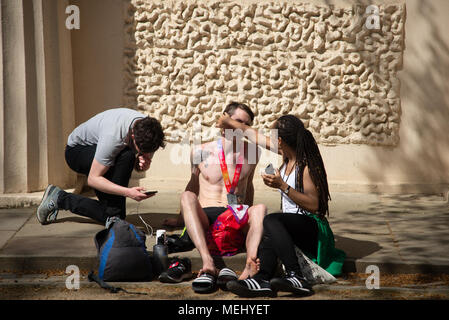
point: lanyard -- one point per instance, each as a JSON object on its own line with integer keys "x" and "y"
{"x": 224, "y": 168}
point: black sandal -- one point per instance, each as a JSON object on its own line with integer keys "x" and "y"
{"x": 224, "y": 276}
{"x": 205, "y": 283}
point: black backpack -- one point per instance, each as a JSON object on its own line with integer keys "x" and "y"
{"x": 122, "y": 253}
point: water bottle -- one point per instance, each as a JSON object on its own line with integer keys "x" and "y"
{"x": 160, "y": 253}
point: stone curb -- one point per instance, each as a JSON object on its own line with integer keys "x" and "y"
{"x": 27, "y": 264}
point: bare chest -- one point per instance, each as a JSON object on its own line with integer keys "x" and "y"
{"x": 213, "y": 175}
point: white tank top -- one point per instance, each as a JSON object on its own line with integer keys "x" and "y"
{"x": 288, "y": 205}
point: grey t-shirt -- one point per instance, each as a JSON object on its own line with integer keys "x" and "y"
{"x": 107, "y": 130}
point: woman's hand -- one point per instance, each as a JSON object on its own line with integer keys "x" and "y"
{"x": 225, "y": 122}
{"x": 274, "y": 180}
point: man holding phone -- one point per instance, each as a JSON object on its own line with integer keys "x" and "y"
{"x": 106, "y": 149}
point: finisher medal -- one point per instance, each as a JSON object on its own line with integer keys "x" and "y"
{"x": 230, "y": 187}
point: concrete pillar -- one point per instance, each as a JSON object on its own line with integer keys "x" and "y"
{"x": 36, "y": 102}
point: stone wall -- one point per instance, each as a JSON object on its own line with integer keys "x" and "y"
{"x": 185, "y": 60}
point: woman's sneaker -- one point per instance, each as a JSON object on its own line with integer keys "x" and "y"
{"x": 179, "y": 270}
{"x": 48, "y": 208}
{"x": 292, "y": 283}
{"x": 251, "y": 288}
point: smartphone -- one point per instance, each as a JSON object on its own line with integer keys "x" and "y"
{"x": 149, "y": 193}
{"x": 269, "y": 169}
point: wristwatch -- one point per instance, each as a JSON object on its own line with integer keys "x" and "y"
{"x": 287, "y": 190}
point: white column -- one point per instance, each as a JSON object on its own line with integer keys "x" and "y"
{"x": 36, "y": 101}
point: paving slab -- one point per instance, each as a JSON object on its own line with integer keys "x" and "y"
{"x": 66, "y": 225}
{"x": 14, "y": 219}
{"x": 5, "y": 236}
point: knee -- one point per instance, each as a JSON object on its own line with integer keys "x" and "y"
{"x": 258, "y": 212}
{"x": 261, "y": 209}
{"x": 269, "y": 220}
{"x": 188, "y": 197}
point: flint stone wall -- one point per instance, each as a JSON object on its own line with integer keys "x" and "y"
{"x": 185, "y": 60}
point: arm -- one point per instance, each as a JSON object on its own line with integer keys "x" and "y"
{"x": 97, "y": 181}
{"x": 307, "y": 200}
{"x": 249, "y": 196}
{"x": 193, "y": 186}
{"x": 194, "y": 183}
{"x": 226, "y": 122}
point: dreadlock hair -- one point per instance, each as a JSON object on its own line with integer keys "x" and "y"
{"x": 292, "y": 132}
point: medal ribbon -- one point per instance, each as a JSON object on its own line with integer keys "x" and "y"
{"x": 224, "y": 168}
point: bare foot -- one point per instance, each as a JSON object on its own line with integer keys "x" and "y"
{"x": 252, "y": 267}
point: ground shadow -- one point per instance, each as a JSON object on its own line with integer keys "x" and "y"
{"x": 355, "y": 250}
{"x": 155, "y": 220}
{"x": 78, "y": 219}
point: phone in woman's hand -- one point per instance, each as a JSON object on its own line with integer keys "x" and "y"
{"x": 269, "y": 169}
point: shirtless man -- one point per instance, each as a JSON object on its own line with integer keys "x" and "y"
{"x": 206, "y": 195}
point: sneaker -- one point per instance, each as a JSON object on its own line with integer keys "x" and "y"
{"x": 251, "y": 288}
{"x": 48, "y": 208}
{"x": 292, "y": 283}
{"x": 179, "y": 270}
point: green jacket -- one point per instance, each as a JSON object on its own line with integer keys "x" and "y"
{"x": 328, "y": 257}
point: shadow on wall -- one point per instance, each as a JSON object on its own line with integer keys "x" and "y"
{"x": 423, "y": 149}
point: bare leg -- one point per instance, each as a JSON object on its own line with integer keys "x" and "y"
{"x": 197, "y": 223}
{"x": 254, "y": 236}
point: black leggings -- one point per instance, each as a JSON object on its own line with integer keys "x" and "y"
{"x": 282, "y": 232}
{"x": 79, "y": 159}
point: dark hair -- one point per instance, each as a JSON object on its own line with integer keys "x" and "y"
{"x": 230, "y": 109}
{"x": 148, "y": 135}
{"x": 292, "y": 131}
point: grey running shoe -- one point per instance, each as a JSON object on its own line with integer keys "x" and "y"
{"x": 48, "y": 208}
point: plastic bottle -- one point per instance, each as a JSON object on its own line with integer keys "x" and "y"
{"x": 160, "y": 253}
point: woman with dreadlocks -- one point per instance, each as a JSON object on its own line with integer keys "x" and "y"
{"x": 302, "y": 182}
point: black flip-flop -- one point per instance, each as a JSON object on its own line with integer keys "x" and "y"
{"x": 224, "y": 276}
{"x": 205, "y": 283}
